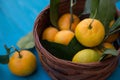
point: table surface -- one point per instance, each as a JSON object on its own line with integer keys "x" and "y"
{"x": 17, "y": 19}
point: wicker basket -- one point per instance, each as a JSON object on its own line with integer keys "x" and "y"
{"x": 60, "y": 69}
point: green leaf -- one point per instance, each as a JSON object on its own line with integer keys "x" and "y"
{"x": 7, "y": 49}
{"x": 115, "y": 25}
{"x": 109, "y": 51}
{"x": 62, "y": 51}
{"x": 106, "y": 12}
{"x": 54, "y": 12}
{"x": 94, "y": 7}
{"x": 26, "y": 42}
{"x": 75, "y": 45}
{"x": 4, "y": 59}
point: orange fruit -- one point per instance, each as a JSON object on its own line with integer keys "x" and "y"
{"x": 49, "y": 34}
{"x": 64, "y": 22}
{"x": 64, "y": 37}
{"x": 90, "y": 32}
{"x": 23, "y": 65}
{"x": 111, "y": 23}
{"x": 86, "y": 56}
{"x": 108, "y": 45}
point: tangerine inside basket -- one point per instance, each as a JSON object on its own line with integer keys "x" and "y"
{"x": 60, "y": 69}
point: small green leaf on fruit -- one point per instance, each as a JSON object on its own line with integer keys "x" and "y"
{"x": 26, "y": 42}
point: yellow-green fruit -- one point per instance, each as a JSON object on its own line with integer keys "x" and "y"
{"x": 86, "y": 56}
{"x": 90, "y": 32}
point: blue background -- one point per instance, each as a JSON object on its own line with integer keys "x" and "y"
{"x": 17, "y": 19}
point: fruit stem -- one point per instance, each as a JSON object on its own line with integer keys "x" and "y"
{"x": 20, "y": 56}
{"x": 7, "y": 49}
{"x": 90, "y": 25}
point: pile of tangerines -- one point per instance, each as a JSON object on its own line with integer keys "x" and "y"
{"x": 89, "y": 33}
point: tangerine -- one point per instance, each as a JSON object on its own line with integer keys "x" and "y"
{"x": 64, "y": 37}
{"x": 90, "y": 32}
{"x": 49, "y": 34}
{"x": 23, "y": 64}
{"x": 64, "y": 22}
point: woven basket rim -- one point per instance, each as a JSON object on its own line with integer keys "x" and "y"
{"x": 59, "y": 68}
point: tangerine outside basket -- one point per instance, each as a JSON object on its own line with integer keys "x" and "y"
{"x": 60, "y": 69}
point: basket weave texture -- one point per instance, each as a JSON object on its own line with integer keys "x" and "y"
{"x": 60, "y": 69}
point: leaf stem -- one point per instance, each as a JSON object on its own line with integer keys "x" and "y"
{"x": 90, "y": 25}
{"x": 112, "y": 32}
{"x": 72, "y": 3}
{"x": 102, "y": 57}
{"x": 115, "y": 31}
